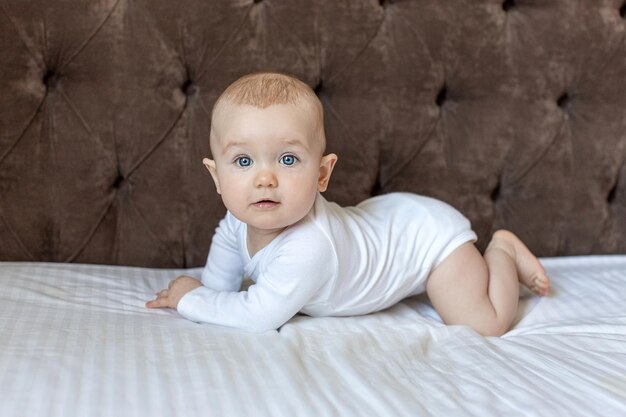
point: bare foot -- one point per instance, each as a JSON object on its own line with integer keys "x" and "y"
{"x": 530, "y": 272}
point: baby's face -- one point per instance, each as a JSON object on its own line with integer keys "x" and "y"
{"x": 268, "y": 163}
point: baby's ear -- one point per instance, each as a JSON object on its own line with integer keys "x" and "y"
{"x": 210, "y": 165}
{"x": 326, "y": 169}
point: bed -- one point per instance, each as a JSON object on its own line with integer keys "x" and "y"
{"x": 512, "y": 111}
{"x": 78, "y": 341}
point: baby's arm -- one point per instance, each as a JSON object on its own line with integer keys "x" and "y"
{"x": 169, "y": 297}
{"x": 224, "y": 265}
{"x": 293, "y": 277}
{"x": 223, "y": 270}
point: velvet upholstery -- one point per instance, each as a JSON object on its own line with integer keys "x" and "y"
{"x": 512, "y": 111}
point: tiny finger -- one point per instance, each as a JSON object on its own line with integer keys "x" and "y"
{"x": 158, "y": 303}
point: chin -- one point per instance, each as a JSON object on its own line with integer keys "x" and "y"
{"x": 270, "y": 226}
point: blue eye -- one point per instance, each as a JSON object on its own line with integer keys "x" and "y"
{"x": 288, "y": 160}
{"x": 243, "y": 162}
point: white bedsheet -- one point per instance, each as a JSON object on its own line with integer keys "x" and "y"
{"x": 76, "y": 340}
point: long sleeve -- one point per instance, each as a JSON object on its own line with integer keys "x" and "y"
{"x": 293, "y": 275}
{"x": 224, "y": 267}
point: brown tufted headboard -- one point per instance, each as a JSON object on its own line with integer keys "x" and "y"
{"x": 512, "y": 111}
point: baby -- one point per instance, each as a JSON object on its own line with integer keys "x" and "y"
{"x": 305, "y": 254}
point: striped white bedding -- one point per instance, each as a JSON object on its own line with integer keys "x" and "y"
{"x": 76, "y": 340}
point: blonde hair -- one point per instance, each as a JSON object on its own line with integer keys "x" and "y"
{"x": 264, "y": 89}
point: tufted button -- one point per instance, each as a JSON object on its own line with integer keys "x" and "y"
{"x": 611, "y": 196}
{"x": 495, "y": 194}
{"x": 118, "y": 181}
{"x": 50, "y": 78}
{"x": 384, "y": 3}
{"x": 318, "y": 88}
{"x": 189, "y": 88}
{"x": 442, "y": 96}
{"x": 563, "y": 101}
{"x": 257, "y": 1}
{"x": 507, "y": 5}
{"x": 622, "y": 10}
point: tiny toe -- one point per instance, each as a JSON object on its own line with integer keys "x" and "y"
{"x": 540, "y": 284}
{"x": 542, "y": 280}
{"x": 545, "y": 288}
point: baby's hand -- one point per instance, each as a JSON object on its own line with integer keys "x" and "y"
{"x": 174, "y": 292}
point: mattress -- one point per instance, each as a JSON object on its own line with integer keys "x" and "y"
{"x": 76, "y": 340}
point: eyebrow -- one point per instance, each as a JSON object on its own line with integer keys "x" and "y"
{"x": 297, "y": 142}
{"x": 232, "y": 145}
{"x": 293, "y": 142}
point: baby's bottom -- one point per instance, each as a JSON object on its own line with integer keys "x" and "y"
{"x": 482, "y": 292}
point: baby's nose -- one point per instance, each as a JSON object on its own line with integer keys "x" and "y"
{"x": 266, "y": 178}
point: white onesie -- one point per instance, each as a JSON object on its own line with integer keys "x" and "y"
{"x": 335, "y": 262}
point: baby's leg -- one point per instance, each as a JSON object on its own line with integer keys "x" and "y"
{"x": 483, "y": 292}
{"x": 529, "y": 270}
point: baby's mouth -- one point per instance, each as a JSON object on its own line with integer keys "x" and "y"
{"x": 265, "y": 204}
